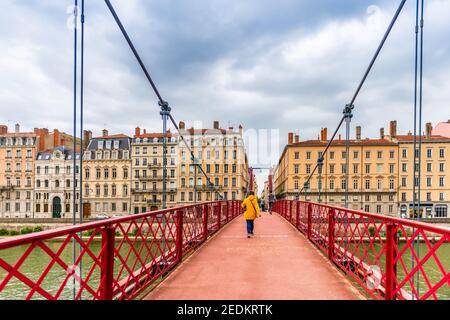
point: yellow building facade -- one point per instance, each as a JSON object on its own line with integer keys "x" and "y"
{"x": 380, "y": 172}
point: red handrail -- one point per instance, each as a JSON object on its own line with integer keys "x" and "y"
{"x": 379, "y": 253}
{"x": 132, "y": 253}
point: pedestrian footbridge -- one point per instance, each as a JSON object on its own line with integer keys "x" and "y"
{"x": 302, "y": 251}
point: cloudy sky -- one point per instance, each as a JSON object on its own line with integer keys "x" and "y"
{"x": 286, "y": 65}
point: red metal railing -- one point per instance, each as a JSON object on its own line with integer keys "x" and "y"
{"x": 117, "y": 258}
{"x": 389, "y": 258}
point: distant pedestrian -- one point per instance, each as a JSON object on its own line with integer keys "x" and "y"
{"x": 271, "y": 201}
{"x": 251, "y": 212}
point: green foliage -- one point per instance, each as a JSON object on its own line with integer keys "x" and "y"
{"x": 90, "y": 232}
{"x": 371, "y": 231}
{"x": 133, "y": 233}
{"x": 3, "y": 232}
{"x": 26, "y": 230}
{"x": 38, "y": 229}
{"x": 13, "y": 232}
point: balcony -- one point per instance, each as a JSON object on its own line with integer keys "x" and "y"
{"x": 151, "y": 165}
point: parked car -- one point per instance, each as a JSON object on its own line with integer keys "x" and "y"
{"x": 101, "y": 216}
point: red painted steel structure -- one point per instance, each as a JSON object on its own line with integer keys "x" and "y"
{"x": 134, "y": 252}
{"x": 376, "y": 251}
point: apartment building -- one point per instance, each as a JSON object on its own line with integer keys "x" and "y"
{"x": 147, "y": 171}
{"x": 107, "y": 175}
{"x": 17, "y": 156}
{"x": 435, "y": 174}
{"x": 373, "y": 172}
{"x": 221, "y": 153}
{"x": 53, "y": 189}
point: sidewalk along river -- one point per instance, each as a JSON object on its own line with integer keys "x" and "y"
{"x": 38, "y": 260}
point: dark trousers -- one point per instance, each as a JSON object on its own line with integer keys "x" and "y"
{"x": 250, "y": 226}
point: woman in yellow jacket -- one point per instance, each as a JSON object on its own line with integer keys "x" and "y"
{"x": 251, "y": 212}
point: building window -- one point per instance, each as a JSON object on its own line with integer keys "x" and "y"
{"x": 296, "y": 168}
{"x": 441, "y": 181}
{"x": 308, "y": 155}
{"x": 355, "y": 184}
{"x": 380, "y": 154}
{"x": 441, "y": 167}
{"x": 308, "y": 168}
{"x": 331, "y": 184}
{"x": 429, "y": 166}
{"x": 391, "y": 168}
{"x": 391, "y": 184}
{"x": 297, "y": 155}
{"x": 367, "y": 184}
{"x": 428, "y": 153}
{"x": 331, "y": 168}
{"x": 404, "y": 167}
{"x": 441, "y": 211}
{"x": 441, "y": 153}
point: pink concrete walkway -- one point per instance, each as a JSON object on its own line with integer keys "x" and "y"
{"x": 277, "y": 263}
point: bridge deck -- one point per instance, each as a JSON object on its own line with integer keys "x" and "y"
{"x": 277, "y": 263}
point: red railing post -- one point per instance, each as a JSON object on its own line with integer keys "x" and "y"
{"x": 219, "y": 215}
{"x": 331, "y": 224}
{"x": 391, "y": 269}
{"x": 227, "y": 208}
{"x": 205, "y": 222}
{"x": 291, "y": 208}
{"x": 297, "y": 215}
{"x": 179, "y": 235}
{"x": 309, "y": 227}
{"x": 107, "y": 262}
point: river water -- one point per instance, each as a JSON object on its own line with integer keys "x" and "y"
{"x": 38, "y": 261}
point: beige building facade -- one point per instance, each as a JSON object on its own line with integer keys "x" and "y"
{"x": 107, "y": 176}
{"x": 221, "y": 153}
{"x": 147, "y": 168}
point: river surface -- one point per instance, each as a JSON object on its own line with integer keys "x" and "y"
{"x": 38, "y": 260}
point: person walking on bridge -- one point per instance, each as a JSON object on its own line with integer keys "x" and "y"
{"x": 252, "y": 212}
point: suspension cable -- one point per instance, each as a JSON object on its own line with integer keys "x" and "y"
{"x": 74, "y": 200}
{"x": 355, "y": 95}
{"x": 155, "y": 89}
{"x": 418, "y": 68}
{"x": 80, "y": 205}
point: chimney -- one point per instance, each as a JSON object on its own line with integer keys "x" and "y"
{"x": 55, "y": 138}
{"x": 216, "y": 124}
{"x": 17, "y": 128}
{"x": 393, "y": 129}
{"x": 104, "y": 133}
{"x": 428, "y": 129}
{"x": 290, "y": 138}
{"x": 324, "y": 134}
{"x": 87, "y": 136}
{"x": 145, "y": 131}
{"x": 182, "y": 125}
{"x": 339, "y": 137}
{"x": 241, "y": 130}
{"x": 382, "y": 133}
{"x": 358, "y": 133}
{"x": 137, "y": 132}
{"x": 297, "y": 138}
{"x": 3, "y": 129}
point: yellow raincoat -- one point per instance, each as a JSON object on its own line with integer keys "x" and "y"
{"x": 251, "y": 211}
